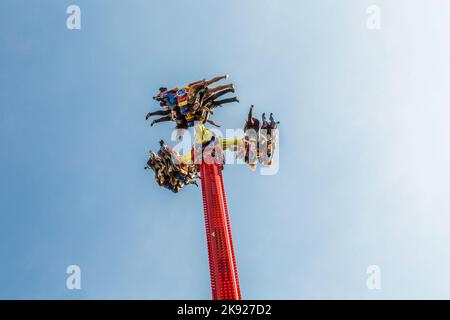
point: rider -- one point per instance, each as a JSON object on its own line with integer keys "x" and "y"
{"x": 271, "y": 124}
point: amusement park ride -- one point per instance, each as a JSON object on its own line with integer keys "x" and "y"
{"x": 190, "y": 106}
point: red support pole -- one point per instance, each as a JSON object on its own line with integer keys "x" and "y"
{"x": 222, "y": 262}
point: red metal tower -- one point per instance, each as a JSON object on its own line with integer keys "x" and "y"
{"x": 222, "y": 262}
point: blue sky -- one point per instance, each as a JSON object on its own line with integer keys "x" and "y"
{"x": 364, "y": 173}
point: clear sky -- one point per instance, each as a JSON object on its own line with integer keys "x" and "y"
{"x": 364, "y": 174}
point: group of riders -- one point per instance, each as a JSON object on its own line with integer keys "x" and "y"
{"x": 170, "y": 170}
{"x": 259, "y": 140}
{"x": 192, "y": 104}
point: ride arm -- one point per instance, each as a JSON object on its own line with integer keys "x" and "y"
{"x": 231, "y": 144}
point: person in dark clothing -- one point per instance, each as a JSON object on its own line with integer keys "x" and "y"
{"x": 251, "y": 123}
{"x": 224, "y": 101}
{"x": 157, "y": 113}
{"x": 218, "y": 94}
{"x": 162, "y": 119}
{"x": 271, "y": 124}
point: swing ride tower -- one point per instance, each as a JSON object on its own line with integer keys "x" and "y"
{"x": 222, "y": 261}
